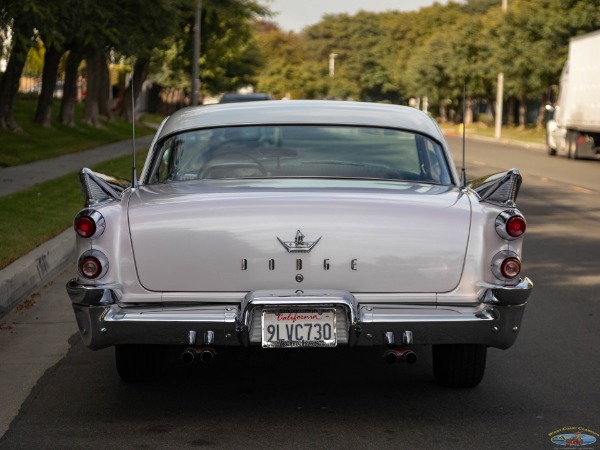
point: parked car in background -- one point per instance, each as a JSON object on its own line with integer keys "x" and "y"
{"x": 236, "y": 98}
{"x": 300, "y": 225}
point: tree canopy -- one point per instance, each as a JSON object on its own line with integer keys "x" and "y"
{"x": 154, "y": 36}
{"x": 432, "y": 52}
{"x": 392, "y": 56}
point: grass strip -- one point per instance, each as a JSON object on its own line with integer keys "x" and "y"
{"x": 37, "y": 142}
{"x": 31, "y": 217}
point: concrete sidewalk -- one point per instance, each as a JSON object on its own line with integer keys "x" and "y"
{"x": 30, "y": 272}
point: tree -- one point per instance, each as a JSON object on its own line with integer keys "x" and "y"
{"x": 140, "y": 31}
{"x": 67, "y": 106}
{"x": 282, "y": 72}
{"x": 20, "y": 16}
{"x": 229, "y": 56}
{"x": 53, "y": 26}
{"x": 360, "y": 71}
{"x": 406, "y": 32}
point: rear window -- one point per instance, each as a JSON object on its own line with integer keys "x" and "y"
{"x": 300, "y": 151}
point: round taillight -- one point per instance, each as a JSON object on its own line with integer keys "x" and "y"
{"x": 92, "y": 264}
{"x": 89, "y": 224}
{"x": 506, "y": 265}
{"x": 90, "y": 267}
{"x": 516, "y": 226}
{"x": 510, "y": 268}
{"x": 510, "y": 224}
{"x": 85, "y": 226}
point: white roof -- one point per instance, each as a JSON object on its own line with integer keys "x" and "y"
{"x": 302, "y": 112}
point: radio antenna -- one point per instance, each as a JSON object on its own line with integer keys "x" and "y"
{"x": 134, "y": 183}
{"x": 463, "y": 175}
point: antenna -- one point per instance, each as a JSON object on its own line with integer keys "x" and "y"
{"x": 463, "y": 175}
{"x": 134, "y": 183}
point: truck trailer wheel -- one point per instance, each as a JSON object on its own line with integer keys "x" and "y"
{"x": 551, "y": 127}
{"x": 459, "y": 365}
{"x": 572, "y": 138}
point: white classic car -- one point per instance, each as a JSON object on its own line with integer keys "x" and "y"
{"x": 300, "y": 224}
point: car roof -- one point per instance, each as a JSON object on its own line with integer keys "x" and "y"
{"x": 302, "y": 112}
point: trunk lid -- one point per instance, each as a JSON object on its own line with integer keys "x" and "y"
{"x": 235, "y": 236}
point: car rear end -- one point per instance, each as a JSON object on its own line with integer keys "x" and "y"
{"x": 282, "y": 247}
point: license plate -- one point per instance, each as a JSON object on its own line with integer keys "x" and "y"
{"x": 297, "y": 328}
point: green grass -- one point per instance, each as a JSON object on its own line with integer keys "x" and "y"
{"x": 31, "y": 217}
{"x": 37, "y": 142}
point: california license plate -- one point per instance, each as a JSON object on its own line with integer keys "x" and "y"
{"x": 296, "y": 328}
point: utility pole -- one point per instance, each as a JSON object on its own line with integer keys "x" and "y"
{"x": 196, "y": 54}
{"x": 500, "y": 91}
{"x": 332, "y": 64}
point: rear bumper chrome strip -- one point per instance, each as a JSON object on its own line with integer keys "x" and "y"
{"x": 102, "y": 322}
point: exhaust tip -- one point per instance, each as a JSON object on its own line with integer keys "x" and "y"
{"x": 390, "y": 357}
{"x": 410, "y": 357}
{"x": 207, "y": 356}
{"x": 394, "y": 355}
{"x": 188, "y": 356}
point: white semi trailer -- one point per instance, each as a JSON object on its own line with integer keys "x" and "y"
{"x": 575, "y": 128}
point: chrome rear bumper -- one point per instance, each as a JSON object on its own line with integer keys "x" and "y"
{"x": 494, "y": 322}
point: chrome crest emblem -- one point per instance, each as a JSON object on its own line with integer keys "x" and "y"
{"x": 298, "y": 245}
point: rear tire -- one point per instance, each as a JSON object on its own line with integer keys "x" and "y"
{"x": 459, "y": 365}
{"x": 137, "y": 363}
{"x": 572, "y": 138}
{"x": 551, "y": 151}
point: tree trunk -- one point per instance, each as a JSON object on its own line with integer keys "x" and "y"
{"x": 43, "y": 113}
{"x": 468, "y": 119}
{"x": 491, "y": 107}
{"x": 140, "y": 73}
{"x": 443, "y": 111}
{"x": 510, "y": 109}
{"x": 67, "y": 106}
{"x": 93, "y": 68}
{"x": 541, "y": 114}
{"x": 9, "y": 84}
{"x": 522, "y": 111}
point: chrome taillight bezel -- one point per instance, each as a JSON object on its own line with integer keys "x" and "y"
{"x": 97, "y": 255}
{"x": 94, "y": 216}
{"x": 500, "y": 259}
{"x": 502, "y": 221}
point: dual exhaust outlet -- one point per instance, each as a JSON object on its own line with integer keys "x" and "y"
{"x": 205, "y": 355}
{"x": 399, "y": 353}
{"x": 393, "y": 355}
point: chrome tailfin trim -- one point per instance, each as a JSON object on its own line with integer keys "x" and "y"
{"x": 499, "y": 189}
{"x": 98, "y": 188}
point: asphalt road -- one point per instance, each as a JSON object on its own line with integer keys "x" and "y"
{"x": 351, "y": 399}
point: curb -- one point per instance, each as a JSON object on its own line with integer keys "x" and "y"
{"x": 24, "y": 276}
